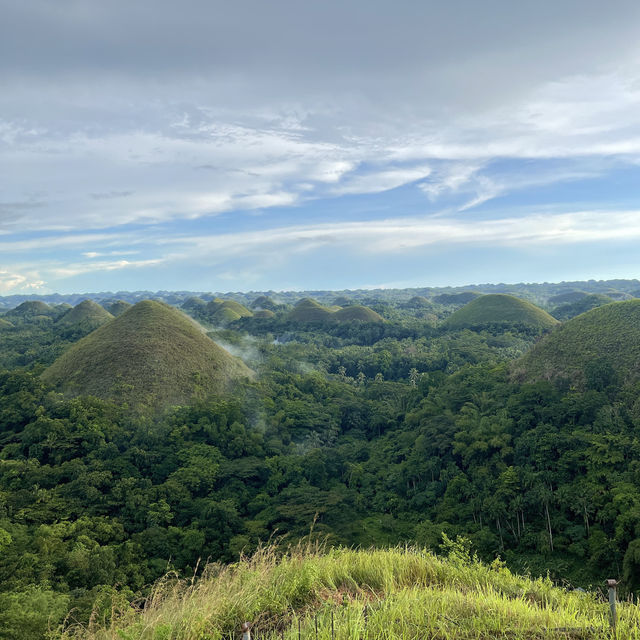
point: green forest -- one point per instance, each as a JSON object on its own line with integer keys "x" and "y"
{"x": 138, "y": 438}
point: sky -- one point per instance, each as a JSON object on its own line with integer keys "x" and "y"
{"x": 250, "y": 145}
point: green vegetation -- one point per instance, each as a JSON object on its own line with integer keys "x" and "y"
{"x": 585, "y": 303}
{"x": 84, "y": 317}
{"x": 357, "y": 313}
{"x": 264, "y": 313}
{"x": 309, "y": 310}
{"x": 567, "y": 297}
{"x": 264, "y": 302}
{"x": 597, "y": 349}
{"x": 118, "y": 307}
{"x": 31, "y": 308}
{"x": 399, "y": 593}
{"x": 500, "y": 309}
{"x": 369, "y": 433}
{"x": 152, "y": 354}
{"x": 4, "y": 324}
{"x": 456, "y": 298}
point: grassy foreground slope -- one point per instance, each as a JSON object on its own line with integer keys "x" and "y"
{"x": 401, "y": 593}
{"x": 499, "y": 308}
{"x": 152, "y": 354}
{"x": 606, "y": 338}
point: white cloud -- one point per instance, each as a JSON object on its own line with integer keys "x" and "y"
{"x": 10, "y": 281}
{"x": 381, "y": 180}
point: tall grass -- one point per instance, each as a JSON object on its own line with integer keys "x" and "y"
{"x": 402, "y": 593}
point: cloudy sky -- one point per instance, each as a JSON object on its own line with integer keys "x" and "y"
{"x": 251, "y": 145}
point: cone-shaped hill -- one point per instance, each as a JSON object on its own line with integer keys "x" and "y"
{"x": 497, "y": 309}
{"x": 30, "y": 309}
{"x": 152, "y": 354}
{"x": 194, "y": 303}
{"x": 586, "y": 303}
{"x": 309, "y": 310}
{"x": 264, "y": 313}
{"x": 357, "y": 313}
{"x": 86, "y": 316}
{"x": 604, "y": 339}
{"x": 264, "y": 302}
{"x": 118, "y": 307}
{"x": 222, "y": 312}
{"x": 456, "y": 298}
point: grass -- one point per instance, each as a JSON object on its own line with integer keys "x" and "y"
{"x": 397, "y": 594}
{"x": 118, "y": 307}
{"x": 586, "y": 303}
{"x": 152, "y": 354}
{"x": 357, "y": 313}
{"x": 310, "y": 310}
{"x": 87, "y": 315}
{"x": 499, "y": 308}
{"x": 610, "y": 334}
{"x": 30, "y": 308}
{"x": 219, "y": 305}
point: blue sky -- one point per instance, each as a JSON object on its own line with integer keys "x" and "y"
{"x": 289, "y": 145}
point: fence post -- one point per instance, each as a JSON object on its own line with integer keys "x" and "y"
{"x": 613, "y": 617}
{"x": 246, "y": 631}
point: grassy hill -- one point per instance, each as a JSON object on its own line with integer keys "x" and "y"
{"x": 357, "y": 313}
{"x": 567, "y": 297}
{"x": 456, "y": 298}
{"x": 194, "y": 304}
{"x": 5, "y": 324}
{"x": 118, "y": 307}
{"x": 607, "y": 337}
{"x": 264, "y": 313}
{"x": 403, "y": 594}
{"x": 499, "y": 308}
{"x": 31, "y": 309}
{"x": 152, "y": 354}
{"x": 309, "y": 310}
{"x": 86, "y": 316}
{"x": 583, "y": 304}
{"x": 264, "y": 302}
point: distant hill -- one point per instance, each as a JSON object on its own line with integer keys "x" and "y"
{"x": 342, "y": 301}
{"x": 456, "y": 298}
{"x": 86, "y": 316}
{"x": 118, "y": 307}
{"x": 222, "y": 312}
{"x": 264, "y": 302}
{"x": 605, "y": 340}
{"x": 152, "y": 354}
{"x": 583, "y": 304}
{"x": 500, "y": 308}
{"x": 194, "y": 303}
{"x": 357, "y": 313}
{"x": 309, "y": 310}
{"x": 417, "y": 302}
{"x": 567, "y": 297}
{"x": 264, "y": 313}
{"x": 31, "y": 309}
